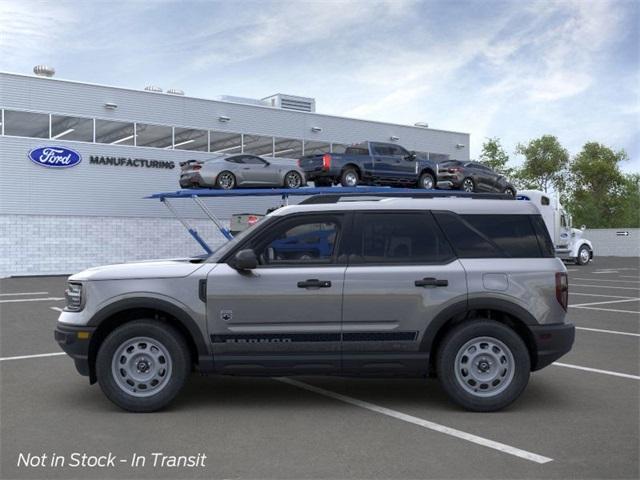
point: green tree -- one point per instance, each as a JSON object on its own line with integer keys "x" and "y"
{"x": 601, "y": 196}
{"x": 495, "y": 157}
{"x": 545, "y": 163}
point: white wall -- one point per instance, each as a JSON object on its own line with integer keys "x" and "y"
{"x": 50, "y": 245}
{"x": 606, "y": 242}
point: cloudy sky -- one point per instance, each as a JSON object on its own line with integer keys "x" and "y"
{"x": 514, "y": 70}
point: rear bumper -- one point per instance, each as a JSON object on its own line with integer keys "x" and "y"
{"x": 74, "y": 340}
{"x": 190, "y": 180}
{"x": 449, "y": 180}
{"x": 552, "y": 342}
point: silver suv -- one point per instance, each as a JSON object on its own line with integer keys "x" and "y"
{"x": 465, "y": 289}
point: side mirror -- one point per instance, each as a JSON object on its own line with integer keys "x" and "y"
{"x": 412, "y": 156}
{"x": 245, "y": 260}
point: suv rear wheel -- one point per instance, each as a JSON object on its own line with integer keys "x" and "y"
{"x": 142, "y": 365}
{"x": 483, "y": 365}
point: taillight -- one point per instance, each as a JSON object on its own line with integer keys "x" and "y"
{"x": 196, "y": 167}
{"x": 299, "y": 162}
{"x": 326, "y": 161}
{"x": 454, "y": 170}
{"x": 562, "y": 289}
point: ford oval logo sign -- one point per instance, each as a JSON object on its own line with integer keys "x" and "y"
{"x": 55, "y": 157}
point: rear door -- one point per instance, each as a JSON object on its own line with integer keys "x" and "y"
{"x": 401, "y": 274}
{"x": 383, "y": 161}
{"x": 286, "y": 314}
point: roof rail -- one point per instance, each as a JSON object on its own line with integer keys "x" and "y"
{"x": 337, "y": 197}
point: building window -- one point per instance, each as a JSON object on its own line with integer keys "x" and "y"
{"x": 258, "y": 145}
{"x": 71, "y": 128}
{"x": 315, "y": 148}
{"x": 158, "y": 136}
{"x": 287, "y": 148}
{"x": 114, "y": 133}
{"x": 190, "y": 139}
{"x": 225, "y": 142}
{"x": 26, "y": 124}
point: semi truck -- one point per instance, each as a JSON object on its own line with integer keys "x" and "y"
{"x": 569, "y": 242}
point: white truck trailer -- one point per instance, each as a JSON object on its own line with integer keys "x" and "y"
{"x": 568, "y": 241}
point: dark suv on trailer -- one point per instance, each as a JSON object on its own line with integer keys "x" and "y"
{"x": 467, "y": 289}
{"x": 472, "y": 177}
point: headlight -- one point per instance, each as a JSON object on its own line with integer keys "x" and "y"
{"x": 73, "y": 295}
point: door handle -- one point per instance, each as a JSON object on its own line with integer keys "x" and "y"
{"x": 314, "y": 283}
{"x": 431, "y": 282}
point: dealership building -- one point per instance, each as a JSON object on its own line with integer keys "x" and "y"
{"x": 128, "y": 145}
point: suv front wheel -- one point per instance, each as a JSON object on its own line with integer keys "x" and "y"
{"x": 483, "y": 365}
{"x": 142, "y": 365}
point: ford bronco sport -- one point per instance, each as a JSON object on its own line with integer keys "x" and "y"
{"x": 465, "y": 289}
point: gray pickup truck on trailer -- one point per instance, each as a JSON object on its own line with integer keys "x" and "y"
{"x": 371, "y": 163}
{"x": 467, "y": 289}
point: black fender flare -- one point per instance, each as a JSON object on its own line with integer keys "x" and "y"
{"x": 462, "y": 308}
{"x": 165, "y": 306}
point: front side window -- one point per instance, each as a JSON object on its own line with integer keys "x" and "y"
{"x": 398, "y": 238}
{"x": 253, "y": 160}
{"x": 301, "y": 242}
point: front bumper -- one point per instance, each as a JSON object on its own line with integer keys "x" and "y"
{"x": 552, "y": 342}
{"x": 74, "y": 340}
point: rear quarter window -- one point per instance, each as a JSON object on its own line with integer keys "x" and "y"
{"x": 513, "y": 234}
{"x": 494, "y": 236}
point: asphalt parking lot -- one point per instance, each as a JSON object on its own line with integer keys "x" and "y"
{"x": 577, "y": 419}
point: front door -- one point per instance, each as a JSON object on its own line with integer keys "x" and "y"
{"x": 285, "y": 314}
{"x": 401, "y": 274}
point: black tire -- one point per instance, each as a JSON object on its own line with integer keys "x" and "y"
{"x": 458, "y": 387}
{"x": 346, "y": 178}
{"x": 222, "y": 183}
{"x": 427, "y": 181}
{"x": 293, "y": 180}
{"x": 509, "y": 191}
{"x": 179, "y": 361}
{"x": 468, "y": 185}
{"x": 584, "y": 255}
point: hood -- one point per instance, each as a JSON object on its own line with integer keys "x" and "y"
{"x": 145, "y": 269}
{"x": 576, "y": 233}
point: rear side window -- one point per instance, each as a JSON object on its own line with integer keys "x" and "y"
{"x": 467, "y": 241}
{"x": 398, "y": 238}
{"x": 513, "y": 234}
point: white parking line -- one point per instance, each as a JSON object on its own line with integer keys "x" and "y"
{"x": 604, "y": 286}
{"x": 14, "y": 300}
{"x": 610, "y": 310}
{"x": 22, "y": 293}
{"x": 605, "y": 302}
{"x": 24, "y": 357}
{"x": 608, "y": 331}
{"x": 57, "y": 309}
{"x": 597, "y": 370}
{"x": 485, "y": 442}
{"x": 604, "y": 272}
{"x": 607, "y": 280}
{"x": 596, "y": 295}
{"x": 628, "y": 276}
